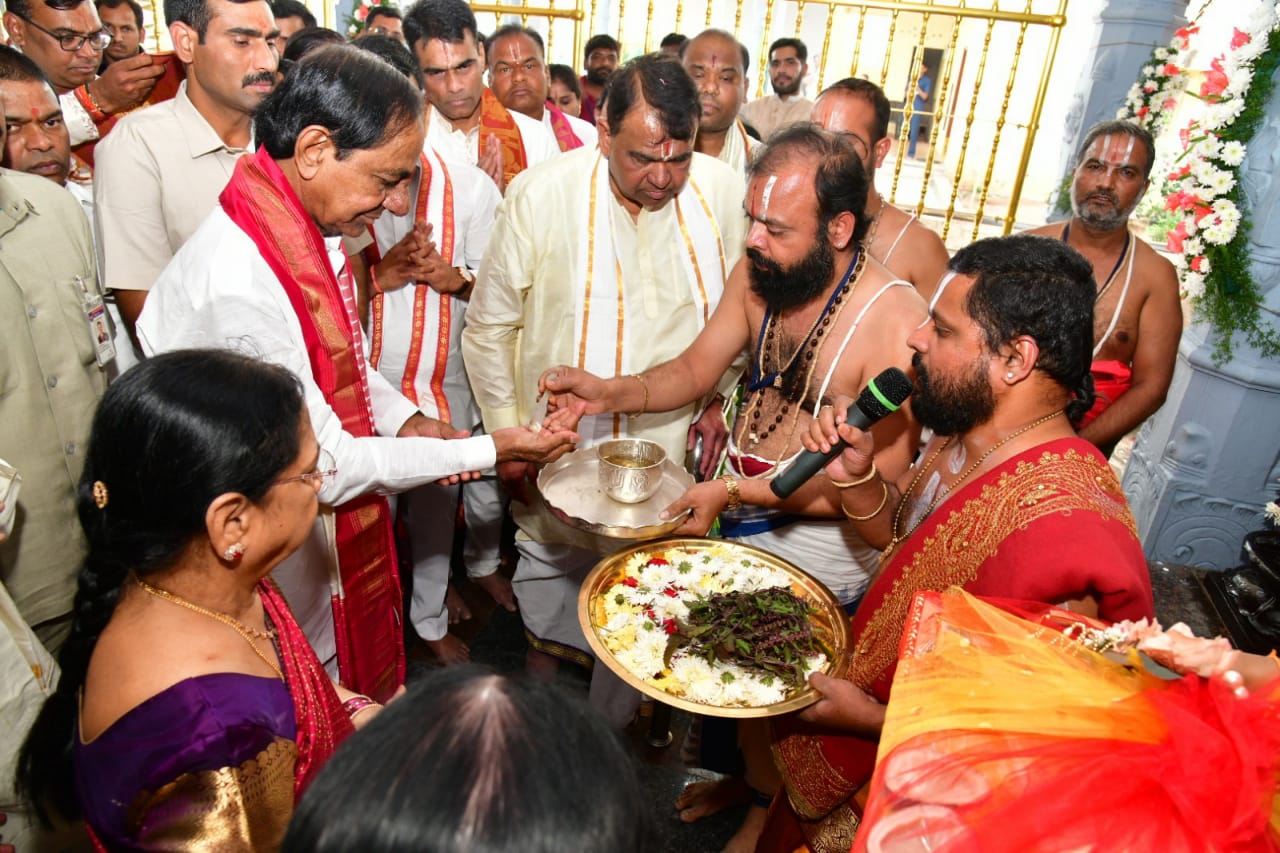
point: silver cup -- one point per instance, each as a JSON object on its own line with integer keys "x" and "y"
{"x": 630, "y": 469}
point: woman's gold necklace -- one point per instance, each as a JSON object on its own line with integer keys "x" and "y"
{"x": 943, "y": 492}
{"x": 239, "y": 627}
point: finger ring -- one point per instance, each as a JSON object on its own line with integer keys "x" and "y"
{"x": 825, "y": 406}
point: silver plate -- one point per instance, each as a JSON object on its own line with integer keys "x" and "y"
{"x": 571, "y": 488}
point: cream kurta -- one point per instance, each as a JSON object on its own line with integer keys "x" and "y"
{"x": 50, "y": 384}
{"x": 522, "y": 315}
{"x": 772, "y": 113}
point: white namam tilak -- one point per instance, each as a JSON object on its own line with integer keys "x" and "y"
{"x": 1103, "y": 144}
{"x": 765, "y": 195}
{"x": 937, "y": 294}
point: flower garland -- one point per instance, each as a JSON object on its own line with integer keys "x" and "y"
{"x": 360, "y": 14}
{"x": 1152, "y": 99}
{"x": 1202, "y": 188}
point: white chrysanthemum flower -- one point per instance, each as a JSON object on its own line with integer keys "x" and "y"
{"x": 1232, "y": 153}
{"x": 1192, "y": 246}
{"x": 1161, "y": 53}
{"x": 1221, "y": 182}
{"x": 1219, "y": 234}
{"x": 1221, "y": 115}
{"x": 1179, "y": 262}
{"x": 1193, "y": 284}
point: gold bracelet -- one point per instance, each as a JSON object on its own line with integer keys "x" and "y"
{"x": 865, "y": 478}
{"x": 884, "y": 500}
{"x": 644, "y": 405}
{"x": 735, "y": 494}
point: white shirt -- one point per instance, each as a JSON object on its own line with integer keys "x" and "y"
{"x": 219, "y": 292}
{"x": 586, "y": 131}
{"x": 455, "y": 145}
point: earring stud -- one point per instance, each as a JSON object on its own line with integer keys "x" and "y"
{"x": 1009, "y": 375}
{"x": 234, "y": 553}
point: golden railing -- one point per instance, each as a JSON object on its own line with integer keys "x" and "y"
{"x": 988, "y": 94}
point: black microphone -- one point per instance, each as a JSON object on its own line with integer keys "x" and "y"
{"x": 883, "y": 396}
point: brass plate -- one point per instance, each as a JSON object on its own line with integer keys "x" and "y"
{"x": 571, "y": 488}
{"x": 830, "y": 623}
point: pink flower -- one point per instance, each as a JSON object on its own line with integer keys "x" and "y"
{"x": 1142, "y": 111}
{"x": 1168, "y": 104}
{"x": 1215, "y": 81}
{"x": 362, "y": 13}
{"x": 630, "y": 581}
{"x": 1198, "y": 263}
{"x": 1239, "y": 39}
{"x": 1183, "y": 36}
{"x": 1200, "y": 211}
{"x": 1176, "y": 237}
{"x": 1170, "y": 69}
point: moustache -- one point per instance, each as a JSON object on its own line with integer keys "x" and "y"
{"x": 1102, "y": 195}
{"x": 259, "y": 77}
{"x": 759, "y": 259}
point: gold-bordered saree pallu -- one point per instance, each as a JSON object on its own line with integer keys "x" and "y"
{"x": 367, "y": 604}
{"x": 1050, "y": 524}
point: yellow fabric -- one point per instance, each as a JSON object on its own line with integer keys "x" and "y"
{"x": 228, "y": 809}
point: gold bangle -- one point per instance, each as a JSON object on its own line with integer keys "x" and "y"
{"x": 645, "y": 404}
{"x": 735, "y": 494}
{"x": 884, "y": 500}
{"x": 865, "y": 478}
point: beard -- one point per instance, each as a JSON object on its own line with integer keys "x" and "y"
{"x": 599, "y": 76}
{"x": 952, "y": 407}
{"x": 782, "y": 287}
{"x": 787, "y": 89}
{"x": 1088, "y": 211}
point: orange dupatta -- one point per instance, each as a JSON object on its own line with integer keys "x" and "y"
{"x": 367, "y": 609}
{"x": 422, "y": 293}
{"x": 565, "y": 137}
{"x": 497, "y": 120}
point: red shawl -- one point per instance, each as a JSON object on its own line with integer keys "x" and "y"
{"x": 367, "y": 610}
{"x": 565, "y": 136}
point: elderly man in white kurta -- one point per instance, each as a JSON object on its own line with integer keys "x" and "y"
{"x": 647, "y": 232}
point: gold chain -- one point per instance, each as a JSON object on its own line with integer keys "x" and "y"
{"x": 875, "y": 226}
{"x": 239, "y": 627}
{"x": 944, "y": 491}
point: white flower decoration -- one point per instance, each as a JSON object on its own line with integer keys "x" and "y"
{"x": 1193, "y": 284}
{"x": 1232, "y": 153}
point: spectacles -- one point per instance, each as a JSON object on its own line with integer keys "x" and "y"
{"x": 385, "y": 31}
{"x": 71, "y": 42}
{"x": 326, "y": 467}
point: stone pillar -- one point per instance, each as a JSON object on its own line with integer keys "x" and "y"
{"x": 1127, "y": 32}
{"x": 1206, "y": 463}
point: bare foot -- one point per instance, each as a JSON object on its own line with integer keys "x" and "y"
{"x": 700, "y": 799}
{"x": 497, "y": 585}
{"x": 456, "y": 605}
{"x": 449, "y": 650}
{"x": 745, "y": 839}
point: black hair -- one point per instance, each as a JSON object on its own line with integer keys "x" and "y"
{"x": 22, "y": 8}
{"x": 664, "y": 85}
{"x": 20, "y": 68}
{"x": 194, "y": 13}
{"x": 446, "y": 20}
{"x": 1119, "y": 127}
{"x": 567, "y": 77}
{"x": 802, "y": 52}
{"x": 358, "y": 98}
{"x": 382, "y": 12}
{"x": 513, "y": 30}
{"x": 391, "y": 51}
{"x": 743, "y": 53}
{"x": 1040, "y": 287}
{"x": 304, "y": 41}
{"x": 673, "y": 40}
{"x": 292, "y": 9}
{"x": 856, "y": 87}
{"x": 170, "y": 436}
{"x": 470, "y": 760}
{"x": 116, "y": 4}
{"x": 601, "y": 40}
{"x": 840, "y": 183}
